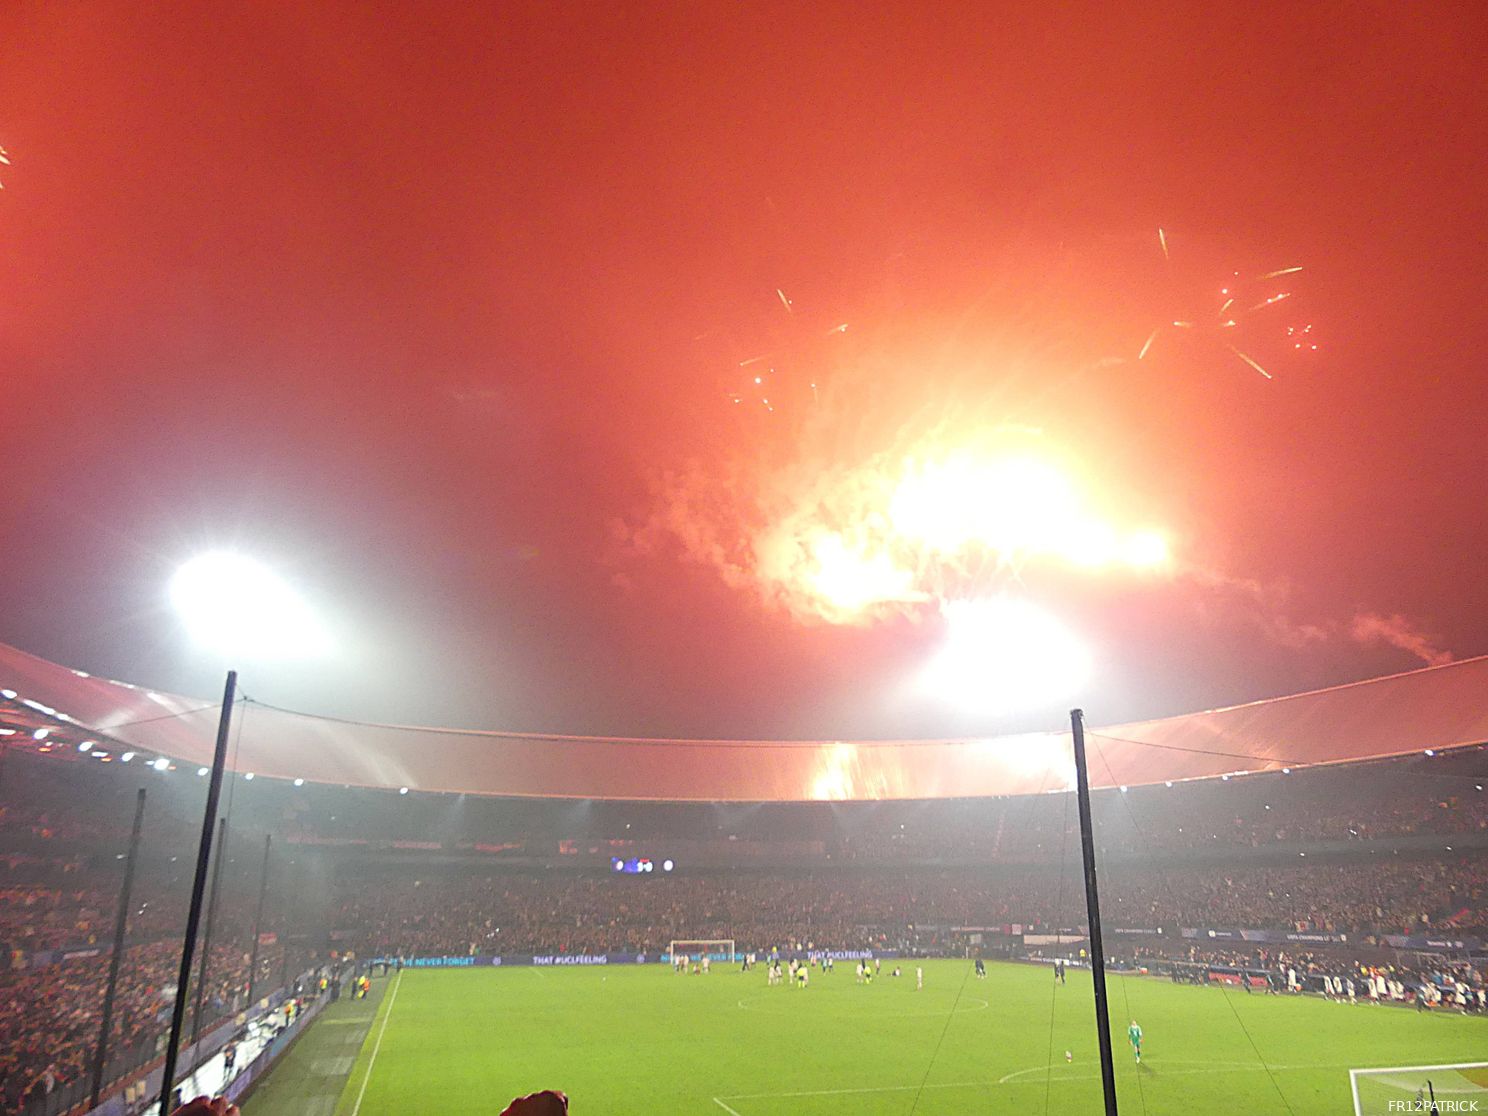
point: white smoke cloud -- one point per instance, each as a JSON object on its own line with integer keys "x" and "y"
{"x": 1397, "y": 631}
{"x": 1270, "y": 608}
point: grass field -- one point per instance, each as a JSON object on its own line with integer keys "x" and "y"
{"x": 632, "y": 1040}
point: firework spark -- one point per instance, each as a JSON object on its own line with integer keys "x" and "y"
{"x": 1272, "y": 301}
{"x": 1226, "y": 318}
{"x": 788, "y": 365}
{"x": 1147, "y": 345}
{"x": 1248, "y": 360}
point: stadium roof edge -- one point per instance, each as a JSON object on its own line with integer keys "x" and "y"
{"x": 1470, "y": 660}
{"x": 1440, "y": 708}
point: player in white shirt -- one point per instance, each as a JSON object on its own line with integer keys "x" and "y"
{"x": 705, "y": 962}
{"x": 919, "y": 978}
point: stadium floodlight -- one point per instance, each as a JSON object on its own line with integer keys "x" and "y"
{"x": 1002, "y": 653}
{"x": 237, "y": 606}
{"x": 126, "y": 757}
{"x": 299, "y": 782}
{"x": 202, "y": 770}
{"x": 160, "y": 763}
{"x": 249, "y": 776}
{"x": 402, "y": 790}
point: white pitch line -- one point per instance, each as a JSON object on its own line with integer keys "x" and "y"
{"x": 1416, "y": 1069}
{"x": 872, "y": 1089}
{"x": 376, "y": 1046}
{"x": 732, "y": 1111}
{"x": 1201, "y": 1067}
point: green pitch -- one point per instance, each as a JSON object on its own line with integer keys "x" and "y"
{"x": 629, "y": 1040}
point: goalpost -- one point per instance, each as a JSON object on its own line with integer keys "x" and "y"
{"x": 1458, "y": 1087}
{"x": 717, "y": 949}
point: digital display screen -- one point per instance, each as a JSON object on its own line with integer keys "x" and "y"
{"x": 639, "y": 866}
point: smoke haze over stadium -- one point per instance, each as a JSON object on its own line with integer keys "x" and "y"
{"x": 453, "y": 315}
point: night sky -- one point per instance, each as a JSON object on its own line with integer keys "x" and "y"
{"x": 439, "y": 309}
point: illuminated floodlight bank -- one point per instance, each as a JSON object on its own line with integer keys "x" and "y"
{"x": 1002, "y": 654}
{"x": 237, "y": 606}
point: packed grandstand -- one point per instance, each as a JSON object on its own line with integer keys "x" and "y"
{"x": 1283, "y": 878}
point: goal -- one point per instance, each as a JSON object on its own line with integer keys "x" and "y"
{"x": 1459, "y": 1087}
{"x": 717, "y": 949}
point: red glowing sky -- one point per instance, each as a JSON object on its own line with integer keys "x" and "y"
{"x": 420, "y": 303}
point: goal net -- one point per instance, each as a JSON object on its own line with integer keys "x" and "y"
{"x": 715, "y": 949}
{"x": 1461, "y": 1087}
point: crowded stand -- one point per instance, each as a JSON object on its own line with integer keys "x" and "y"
{"x": 411, "y": 912}
{"x": 1358, "y": 853}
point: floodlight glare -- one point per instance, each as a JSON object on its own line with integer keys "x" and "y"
{"x": 1004, "y": 653}
{"x": 238, "y": 606}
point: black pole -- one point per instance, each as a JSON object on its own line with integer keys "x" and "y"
{"x": 1092, "y": 911}
{"x": 206, "y": 950}
{"x": 121, "y": 922}
{"x": 292, "y": 893}
{"x": 198, "y": 891}
{"x": 263, "y": 891}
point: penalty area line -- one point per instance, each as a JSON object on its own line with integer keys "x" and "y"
{"x": 727, "y": 1108}
{"x": 376, "y": 1046}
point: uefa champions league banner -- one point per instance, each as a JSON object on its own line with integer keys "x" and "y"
{"x": 1264, "y": 936}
